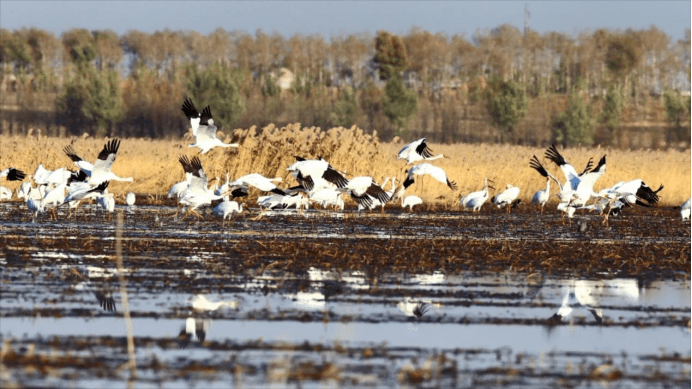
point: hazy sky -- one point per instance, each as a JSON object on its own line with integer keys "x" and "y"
{"x": 333, "y": 17}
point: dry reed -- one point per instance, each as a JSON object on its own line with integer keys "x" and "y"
{"x": 155, "y": 167}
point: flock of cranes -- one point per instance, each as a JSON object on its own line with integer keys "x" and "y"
{"x": 318, "y": 182}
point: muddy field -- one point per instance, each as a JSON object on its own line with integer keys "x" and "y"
{"x": 436, "y": 298}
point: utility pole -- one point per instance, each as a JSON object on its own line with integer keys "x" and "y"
{"x": 527, "y": 15}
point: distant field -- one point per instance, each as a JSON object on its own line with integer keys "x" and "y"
{"x": 155, "y": 167}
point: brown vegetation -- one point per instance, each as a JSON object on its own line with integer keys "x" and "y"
{"x": 268, "y": 151}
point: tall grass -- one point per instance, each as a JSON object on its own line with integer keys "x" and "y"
{"x": 155, "y": 167}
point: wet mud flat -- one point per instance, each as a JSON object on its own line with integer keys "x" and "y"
{"x": 435, "y": 298}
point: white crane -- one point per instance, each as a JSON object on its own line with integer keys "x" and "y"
{"x": 433, "y": 171}
{"x": 418, "y": 151}
{"x": 391, "y": 193}
{"x": 410, "y": 202}
{"x": 297, "y": 200}
{"x": 630, "y": 193}
{"x": 475, "y": 200}
{"x": 328, "y": 197}
{"x": 685, "y": 210}
{"x": 364, "y": 190}
{"x": 258, "y": 181}
{"x": 191, "y": 112}
{"x": 542, "y": 196}
{"x": 205, "y": 134}
{"x": 571, "y": 175}
{"x": 81, "y": 190}
{"x": 106, "y": 201}
{"x": 508, "y": 198}
{"x": 197, "y": 193}
{"x": 226, "y": 209}
{"x": 584, "y": 191}
{"x": 27, "y": 189}
{"x": 100, "y": 170}
{"x": 311, "y": 174}
{"x": 565, "y": 194}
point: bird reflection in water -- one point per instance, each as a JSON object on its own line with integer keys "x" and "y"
{"x": 97, "y": 283}
{"x": 196, "y": 328}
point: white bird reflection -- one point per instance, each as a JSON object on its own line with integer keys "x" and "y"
{"x": 194, "y": 329}
{"x": 99, "y": 288}
{"x": 200, "y": 303}
{"x": 588, "y": 296}
{"x": 413, "y": 308}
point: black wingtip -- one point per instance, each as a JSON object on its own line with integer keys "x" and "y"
{"x": 408, "y": 182}
{"x": 111, "y": 147}
{"x": 536, "y": 164}
{"x": 278, "y": 191}
{"x": 71, "y": 153}
{"x": 15, "y": 175}
{"x": 189, "y": 109}
{"x": 206, "y": 115}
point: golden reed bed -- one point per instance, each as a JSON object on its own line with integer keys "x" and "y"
{"x": 155, "y": 167}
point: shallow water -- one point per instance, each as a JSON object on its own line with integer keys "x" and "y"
{"x": 330, "y": 299}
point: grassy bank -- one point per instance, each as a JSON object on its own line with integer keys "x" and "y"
{"x": 155, "y": 167}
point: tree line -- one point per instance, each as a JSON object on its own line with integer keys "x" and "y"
{"x": 420, "y": 83}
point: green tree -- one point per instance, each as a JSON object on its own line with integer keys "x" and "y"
{"x": 610, "y": 113}
{"x": 344, "y": 110}
{"x": 574, "y": 125}
{"x": 677, "y": 108}
{"x": 623, "y": 55}
{"x": 79, "y": 44}
{"x": 507, "y": 105}
{"x": 398, "y": 103}
{"x": 370, "y": 101}
{"x": 92, "y": 99}
{"x": 218, "y": 86}
{"x": 390, "y": 55}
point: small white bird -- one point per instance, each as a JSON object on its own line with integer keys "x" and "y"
{"x": 685, "y": 210}
{"x": 417, "y": 151}
{"x": 205, "y": 134}
{"x": 227, "y": 209}
{"x": 433, "y": 171}
{"x": 410, "y": 202}
{"x": 130, "y": 199}
{"x": 508, "y": 198}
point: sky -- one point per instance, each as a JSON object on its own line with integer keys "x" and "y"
{"x": 331, "y": 18}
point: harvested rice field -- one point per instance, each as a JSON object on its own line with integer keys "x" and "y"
{"x": 433, "y": 298}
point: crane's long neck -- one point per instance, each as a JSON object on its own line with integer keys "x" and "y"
{"x": 436, "y": 157}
